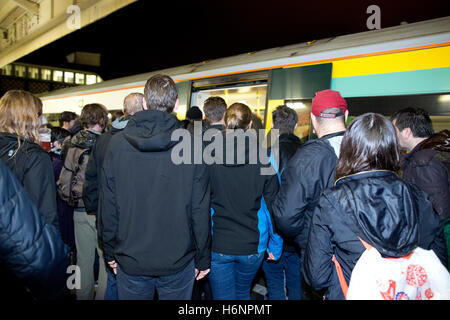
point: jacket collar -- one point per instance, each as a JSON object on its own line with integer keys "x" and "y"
{"x": 363, "y": 175}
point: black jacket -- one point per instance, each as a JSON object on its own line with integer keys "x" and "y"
{"x": 381, "y": 209}
{"x": 428, "y": 166}
{"x": 33, "y": 167}
{"x": 241, "y": 201}
{"x": 288, "y": 144}
{"x": 92, "y": 178}
{"x": 155, "y": 213}
{"x": 310, "y": 171}
{"x": 32, "y": 253}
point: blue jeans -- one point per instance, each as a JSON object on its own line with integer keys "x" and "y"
{"x": 231, "y": 276}
{"x": 176, "y": 286}
{"x": 284, "y": 272}
{"x": 111, "y": 286}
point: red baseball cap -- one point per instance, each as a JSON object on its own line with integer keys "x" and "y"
{"x": 326, "y": 99}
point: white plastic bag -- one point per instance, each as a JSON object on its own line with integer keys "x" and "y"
{"x": 420, "y": 276}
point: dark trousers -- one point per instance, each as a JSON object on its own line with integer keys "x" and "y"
{"x": 284, "y": 273}
{"x": 177, "y": 286}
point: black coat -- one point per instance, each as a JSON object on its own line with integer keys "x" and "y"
{"x": 428, "y": 166}
{"x": 310, "y": 171}
{"x": 379, "y": 208}
{"x": 33, "y": 167}
{"x": 30, "y": 248}
{"x": 92, "y": 177}
{"x": 155, "y": 214}
{"x": 240, "y": 194}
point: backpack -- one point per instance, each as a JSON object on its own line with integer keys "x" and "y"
{"x": 72, "y": 177}
{"x": 417, "y": 276}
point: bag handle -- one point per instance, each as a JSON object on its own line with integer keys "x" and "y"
{"x": 340, "y": 272}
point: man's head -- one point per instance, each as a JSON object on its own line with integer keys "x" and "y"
{"x": 328, "y": 112}
{"x": 133, "y": 103}
{"x": 412, "y": 125}
{"x": 160, "y": 93}
{"x": 284, "y": 119}
{"x": 194, "y": 113}
{"x": 215, "y": 108}
{"x": 67, "y": 119}
{"x": 94, "y": 116}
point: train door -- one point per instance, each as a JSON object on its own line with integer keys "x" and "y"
{"x": 296, "y": 87}
{"x": 248, "y": 88}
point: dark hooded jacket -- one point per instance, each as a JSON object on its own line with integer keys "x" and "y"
{"x": 381, "y": 209}
{"x": 241, "y": 199}
{"x": 32, "y": 166}
{"x": 91, "y": 184}
{"x": 428, "y": 166}
{"x": 155, "y": 212}
{"x": 32, "y": 254}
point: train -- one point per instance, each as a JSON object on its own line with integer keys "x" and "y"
{"x": 375, "y": 71}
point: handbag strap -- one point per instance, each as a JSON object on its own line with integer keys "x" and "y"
{"x": 340, "y": 272}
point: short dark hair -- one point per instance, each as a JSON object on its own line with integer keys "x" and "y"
{"x": 214, "y": 108}
{"x": 59, "y": 134}
{"x": 370, "y": 143}
{"x": 92, "y": 114}
{"x": 284, "y": 119}
{"x": 161, "y": 93}
{"x": 238, "y": 116}
{"x": 417, "y": 119}
{"x": 67, "y": 116}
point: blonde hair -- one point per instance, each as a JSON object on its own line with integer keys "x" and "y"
{"x": 133, "y": 103}
{"x": 238, "y": 116}
{"x": 19, "y": 115}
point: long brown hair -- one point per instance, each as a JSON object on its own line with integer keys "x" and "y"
{"x": 370, "y": 143}
{"x": 238, "y": 116}
{"x": 19, "y": 114}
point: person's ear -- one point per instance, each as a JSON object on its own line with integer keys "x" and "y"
{"x": 144, "y": 104}
{"x": 346, "y": 115}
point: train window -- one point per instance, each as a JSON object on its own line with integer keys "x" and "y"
{"x": 91, "y": 79}
{"x": 79, "y": 78}
{"x": 440, "y": 123}
{"x": 20, "y": 71}
{"x": 99, "y": 79}
{"x": 252, "y": 96}
{"x": 68, "y": 77}
{"x": 58, "y": 75}
{"x": 33, "y": 73}
{"x": 46, "y": 74}
{"x": 7, "y": 70}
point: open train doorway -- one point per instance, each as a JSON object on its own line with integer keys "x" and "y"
{"x": 249, "y": 89}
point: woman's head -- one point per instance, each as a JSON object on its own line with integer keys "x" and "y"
{"x": 19, "y": 114}
{"x": 238, "y": 116}
{"x": 370, "y": 143}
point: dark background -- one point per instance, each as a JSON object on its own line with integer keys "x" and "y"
{"x": 151, "y": 35}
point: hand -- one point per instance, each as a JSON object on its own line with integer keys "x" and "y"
{"x": 113, "y": 266}
{"x": 271, "y": 257}
{"x": 201, "y": 274}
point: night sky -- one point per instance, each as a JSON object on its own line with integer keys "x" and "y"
{"x": 151, "y": 35}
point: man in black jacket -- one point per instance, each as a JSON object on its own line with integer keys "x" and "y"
{"x": 287, "y": 270}
{"x": 312, "y": 168}
{"x": 132, "y": 104}
{"x": 428, "y": 162}
{"x": 156, "y": 227}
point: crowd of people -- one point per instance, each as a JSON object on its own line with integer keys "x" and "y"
{"x": 109, "y": 199}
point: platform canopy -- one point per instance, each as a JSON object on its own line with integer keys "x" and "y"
{"x": 27, "y": 25}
